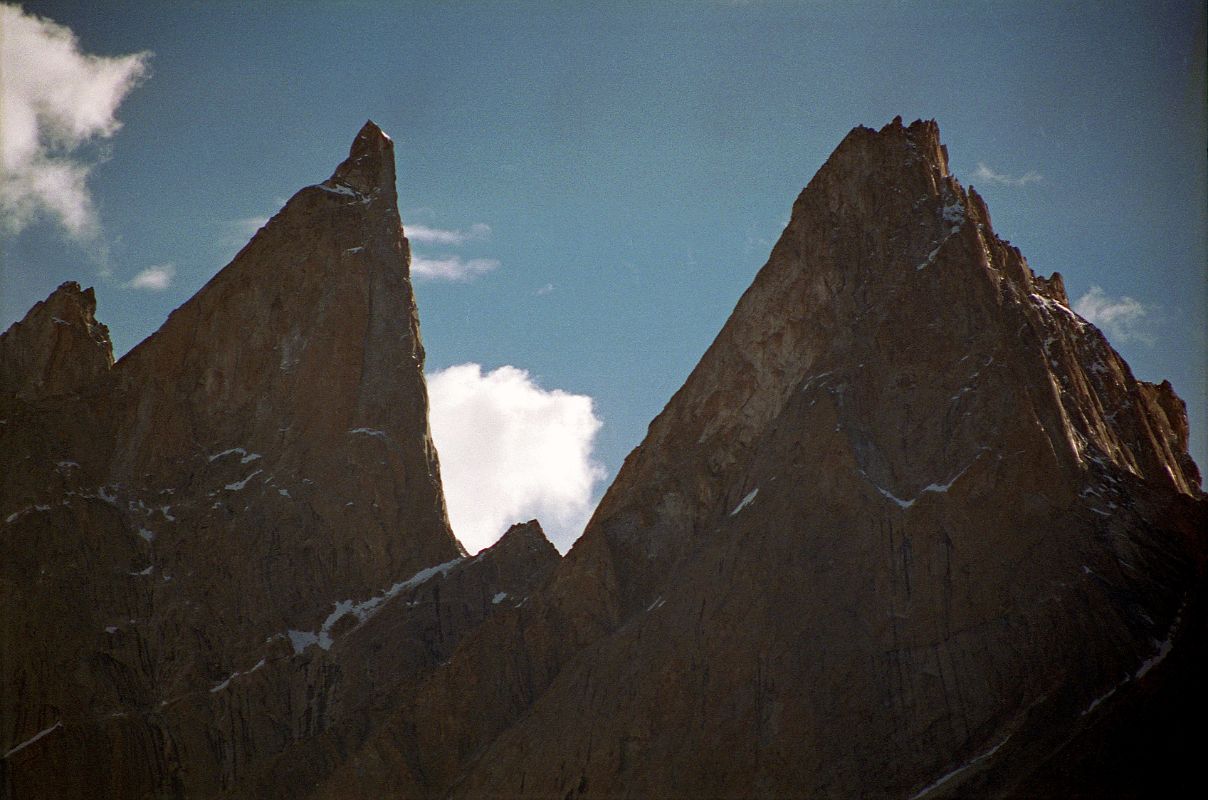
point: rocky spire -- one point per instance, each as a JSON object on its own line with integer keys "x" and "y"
{"x": 905, "y": 512}
{"x": 58, "y": 348}
{"x": 369, "y": 168}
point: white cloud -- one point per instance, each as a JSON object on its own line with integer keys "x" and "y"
{"x": 55, "y": 100}
{"x": 1123, "y": 318}
{"x": 248, "y": 226}
{"x": 511, "y": 451}
{"x": 986, "y": 174}
{"x": 154, "y": 279}
{"x": 544, "y": 290}
{"x": 450, "y": 268}
{"x": 423, "y": 234}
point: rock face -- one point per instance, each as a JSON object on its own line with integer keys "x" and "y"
{"x": 911, "y": 528}
{"x": 187, "y": 536}
{"x": 59, "y": 347}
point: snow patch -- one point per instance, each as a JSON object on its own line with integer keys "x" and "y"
{"x": 1162, "y": 650}
{"x": 954, "y": 212}
{"x": 969, "y": 765}
{"x": 146, "y": 571}
{"x": 347, "y": 191}
{"x": 813, "y": 379}
{"x": 13, "y": 517}
{"x": 499, "y": 598}
{"x": 238, "y": 485}
{"x": 658, "y": 603}
{"x": 301, "y": 639}
{"x": 354, "y": 249}
{"x": 146, "y": 534}
{"x": 1095, "y": 703}
{"x": 931, "y": 256}
{"x": 1158, "y": 657}
{"x": 931, "y": 487}
{"x": 1052, "y": 305}
{"x": 34, "y": 738}
{"x": 369, "y": 432}
{"x": 246, "y": 456}
{"x": 901, "y": 503}
{"x": 224, "y": 684}
{"x": 365, "y": 609}
{"x": 746, "y": 501}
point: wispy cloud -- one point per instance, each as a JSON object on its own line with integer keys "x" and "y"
{"x": 446, "y": 267}
{"x": 1122, "y": 318}
{"x": 423, "y": 234}
{"x": 986, "y": 174}
{"x": 511, "y": 450}
{"x": 56, "y": 99}
{"x": 544, "y": 290}
{"x": 451, "y": 268}
{"x": 247, "y": 226}
{"x": 154, "y": 279}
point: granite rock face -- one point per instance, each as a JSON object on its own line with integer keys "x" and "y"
{"x": 911, "y": 528}
{"x": 188, "y": 534}
{"x": 59, "y": 347}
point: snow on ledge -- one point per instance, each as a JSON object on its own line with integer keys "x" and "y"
{"x": 973, "y": 762}
{"x": 365, "y": 609}
{"x": 247, "y": 457}
{"x": 238, "y": 485}
{"x": 746, "y": 501}
{"x": 34, "y": 738}
{"x": 224, "y": 684}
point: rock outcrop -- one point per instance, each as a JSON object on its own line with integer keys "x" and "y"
{"x": 911, "y": 528}
{"x": 59, "y": 348}
{"x": 188, "y": 534}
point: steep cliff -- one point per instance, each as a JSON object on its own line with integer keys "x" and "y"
{"x": 251, "y": 482}
{"x": 908, "y": 528}
{"x": 911, "y": 528}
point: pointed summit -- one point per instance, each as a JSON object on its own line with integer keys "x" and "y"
{"x": 57, "y": 348}
{"x": 305, "y": 349}
{"x": 905, "y": 475}
{"x": 369, "y": 168}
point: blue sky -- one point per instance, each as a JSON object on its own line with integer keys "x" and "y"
{"x": 634, "y": 162}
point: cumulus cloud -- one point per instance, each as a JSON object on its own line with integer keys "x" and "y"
{"x": 56, "y": 99}
{"x": 1122, "y": 318}
{"x": 985, "y": 174}
{"x": 510, "y": 451}
{"x": 423, "y": 234}
{"x": 451, "y": 268}
{"x": 154, "y": 279}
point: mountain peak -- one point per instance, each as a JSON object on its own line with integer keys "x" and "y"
{"x": 369, "y": 168}
{"x": 57, "y": 348}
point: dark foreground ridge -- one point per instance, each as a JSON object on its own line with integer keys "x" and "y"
{"x": 910, "y": 529}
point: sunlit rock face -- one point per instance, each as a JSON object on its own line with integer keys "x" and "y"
{"x": 911, "y": 527}
{"x": 188, "y": 535}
